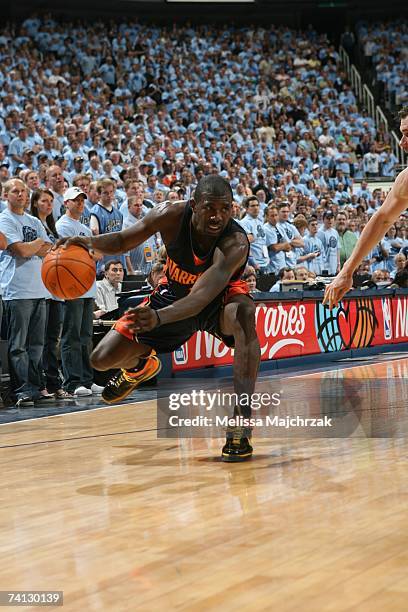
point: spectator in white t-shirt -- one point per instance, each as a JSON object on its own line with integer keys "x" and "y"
{"x": 76, "y": 339}
{"x": 329, "y": 238}
{"x": 23, "y": 292}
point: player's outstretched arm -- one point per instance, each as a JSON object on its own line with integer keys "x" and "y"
{"x": 229, "y": 258}
{"x": 157, "y": 220}
{"x": 394, "y": 204}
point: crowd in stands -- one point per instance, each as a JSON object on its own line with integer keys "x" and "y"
{"x": 385, "y": 48}
{"x": 100, "y": 123}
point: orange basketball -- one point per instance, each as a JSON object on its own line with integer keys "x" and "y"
{"x": 68, "y": 273}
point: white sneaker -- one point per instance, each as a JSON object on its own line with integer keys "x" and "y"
{"x": 96, "y": 389}
{"x": 82, "y": 392}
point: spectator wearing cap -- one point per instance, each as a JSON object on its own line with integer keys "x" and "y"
{"x": 55, "y": 183}
{"x": 329, "y": 238}
{"x": 76, "y": 338}
{"x": 252, "y": 224}
{"x": 23, "y": 292}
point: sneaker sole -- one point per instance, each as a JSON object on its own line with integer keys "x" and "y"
{"x": 135, "y": 386}
{"x": 235, "y": 459}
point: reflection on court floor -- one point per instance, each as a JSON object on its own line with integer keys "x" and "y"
{"x": 93, "y": 503}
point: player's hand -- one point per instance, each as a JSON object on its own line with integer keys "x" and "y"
{"x": 141, "y": 319}
{"x": 44, "y": 249}
{"x": 82, "y": 241}
{"x": 337, "y": 289}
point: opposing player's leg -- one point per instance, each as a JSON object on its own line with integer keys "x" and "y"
{"x": 138, "y": 363}
{"x": 237, "y": 319}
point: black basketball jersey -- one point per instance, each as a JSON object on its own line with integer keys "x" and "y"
{"x": 183, "y": 266}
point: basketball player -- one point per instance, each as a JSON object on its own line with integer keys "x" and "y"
{"x": 207, "y": 252}
{"x": 394, "y": 205}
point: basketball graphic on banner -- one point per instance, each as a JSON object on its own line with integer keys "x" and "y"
{"x": 351, "y": 325}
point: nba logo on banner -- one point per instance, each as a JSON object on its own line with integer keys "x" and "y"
{"x": 181, "y": 355}
{"x": 386, "y": 308}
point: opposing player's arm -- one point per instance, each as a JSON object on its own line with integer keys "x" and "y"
{"x": 395, "y": 203}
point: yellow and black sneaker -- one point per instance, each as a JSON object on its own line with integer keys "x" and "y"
{"x": 126, "y": 381}
{"x": 237, "y": 447}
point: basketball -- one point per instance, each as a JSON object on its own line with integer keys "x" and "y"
{"x": 68, "y": 273}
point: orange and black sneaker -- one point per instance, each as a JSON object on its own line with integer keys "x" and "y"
{"x": 237, "y": 447}
{"x": 126, "y": 381}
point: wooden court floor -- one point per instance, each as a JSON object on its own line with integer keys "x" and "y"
{"x": 93, "y": 504}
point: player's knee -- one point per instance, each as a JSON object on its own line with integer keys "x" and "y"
{"x": 244, "y": 323}
{"x": 100, "y": 359}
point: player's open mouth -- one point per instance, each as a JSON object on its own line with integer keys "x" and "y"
{"x": 214, "y": 227}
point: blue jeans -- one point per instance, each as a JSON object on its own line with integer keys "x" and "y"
{"x": 25, "y": 337}
{"x": 51, "y": 376}
{"x": 76, "y": 343}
